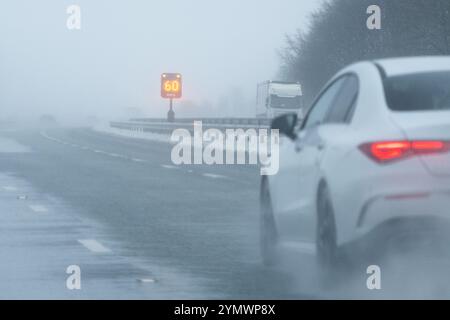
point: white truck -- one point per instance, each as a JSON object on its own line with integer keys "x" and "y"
{"x": 275, "y": 98}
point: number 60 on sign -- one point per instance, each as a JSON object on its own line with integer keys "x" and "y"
{"x": 171, "y": 85}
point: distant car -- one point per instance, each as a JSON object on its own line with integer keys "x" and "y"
{"x": 372, "y": 149}
{"x": 47, "y": 120}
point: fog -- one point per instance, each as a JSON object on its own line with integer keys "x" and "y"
{"x": 111, "y": 67}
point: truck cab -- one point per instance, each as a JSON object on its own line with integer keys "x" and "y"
{"x": 275, "y": 98}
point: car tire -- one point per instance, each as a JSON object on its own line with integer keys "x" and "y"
{"x": 326, "y": 235}
{"x": 268, "y": 231}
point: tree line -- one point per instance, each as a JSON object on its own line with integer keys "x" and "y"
{"x": 338, "y": 35}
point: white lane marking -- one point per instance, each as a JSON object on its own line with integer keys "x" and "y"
{"x": 9, "y": 188}
{"x": 37, "y": 208}
{"x": 115, "y": 155}
{"x": 166, "y": 166}
{"x": 94, "y": 246}
{"x": 46, "y": 136}
{"x": 111, "y": 154}
{"x": 147, "y": 280}
{"x": 43, "y": 134}
{"x": 214, "y": 176}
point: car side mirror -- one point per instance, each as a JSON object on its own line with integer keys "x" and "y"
{"x": 286, "y": 125}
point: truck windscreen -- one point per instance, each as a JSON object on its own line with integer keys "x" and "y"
{"x": 285, "y": 102}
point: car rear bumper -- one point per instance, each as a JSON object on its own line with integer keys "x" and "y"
{"x": 366, "y": 194}
{"x": 421, "y": 203}
{"x": 421, "y": 236}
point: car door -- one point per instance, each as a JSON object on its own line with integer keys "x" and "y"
{"x": 292, "y": 200}
{"x": 316, "y": 141}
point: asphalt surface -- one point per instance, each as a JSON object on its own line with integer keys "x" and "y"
{"x": 171, "y": 232}
{"x": 139, "y": 227}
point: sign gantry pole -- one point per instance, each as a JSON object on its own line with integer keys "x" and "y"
{"x": 171, "y": 113}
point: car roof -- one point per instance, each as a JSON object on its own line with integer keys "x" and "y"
{"x": 401, "y": 66}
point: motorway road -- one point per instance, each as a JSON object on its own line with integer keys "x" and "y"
{"x": 167, "y": 231}
{"x": 141, "y": 228}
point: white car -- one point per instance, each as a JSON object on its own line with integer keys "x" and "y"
{"x": 373, "y": 148}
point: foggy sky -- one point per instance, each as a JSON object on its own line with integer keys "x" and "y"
{"x": 115, "y": 60}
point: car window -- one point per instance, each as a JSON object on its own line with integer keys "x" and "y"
{"x": 342, "y": 107}
{"x": 320, "y": 109}
{"x": 428, "y": 91}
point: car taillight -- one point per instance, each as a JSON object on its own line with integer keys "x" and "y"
{"x": 385, "y": 151}
{"x": 429, "y": 146}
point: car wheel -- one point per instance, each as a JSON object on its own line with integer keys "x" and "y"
{"x": 326, "y": 229}
{"x": 268, "y": 232}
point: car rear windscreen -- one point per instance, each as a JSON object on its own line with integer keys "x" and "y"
{"x": 418, "y": 92}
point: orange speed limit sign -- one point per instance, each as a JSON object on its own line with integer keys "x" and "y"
{"x": 171, "y": 85}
